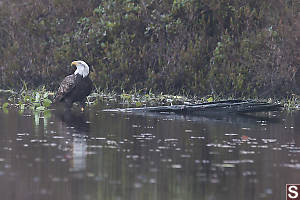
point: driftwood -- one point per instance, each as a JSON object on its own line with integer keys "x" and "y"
{"x": 221, "y": 107}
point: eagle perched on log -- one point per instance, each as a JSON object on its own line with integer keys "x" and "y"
{"x": 75, "y": 87}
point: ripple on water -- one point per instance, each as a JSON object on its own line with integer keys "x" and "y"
{"x": 238, "y": 161}
{"x": 231, "y": 134}
{"x": 219, "y": 145}
{"x": 269, "y": 140}
{"x": 171, "y": 140}
{"x": 249, "y": 173}
{"x": 176, "y": 166}
{"x": 247, "y": 152}
{"x": 58, "y": 137}
{"x": 197, "y": 137}
{"x": 23, "y": 134}
{"x": 225, "y": 165}
{"x": 153, "y": 147}
{"x": 294, "y": 165}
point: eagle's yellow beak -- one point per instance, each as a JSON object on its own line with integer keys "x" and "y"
{"x": 74, "y": 63}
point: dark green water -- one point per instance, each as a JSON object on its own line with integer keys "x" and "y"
{"x": 99, "y": 155}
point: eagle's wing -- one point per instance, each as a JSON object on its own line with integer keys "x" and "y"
{"x": 66, "y": 86}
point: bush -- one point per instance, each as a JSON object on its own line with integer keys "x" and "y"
{"x": 234, "y": 48}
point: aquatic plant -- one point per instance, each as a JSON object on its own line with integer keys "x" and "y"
{"x": 292, "y": 103}
{"x": 141, "y": 98}
{"x": 37, "y": 100}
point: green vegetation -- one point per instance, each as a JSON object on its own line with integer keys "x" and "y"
{"x": 39, "y": 101}
{"x": 227, "y": 47}
{"x": 36, "y": 100}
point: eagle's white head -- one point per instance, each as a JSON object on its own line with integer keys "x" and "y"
{"x": 82, "y": 68}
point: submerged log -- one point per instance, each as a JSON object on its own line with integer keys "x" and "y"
{"x": 228, "y": 106}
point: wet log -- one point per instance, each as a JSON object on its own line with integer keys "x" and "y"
{"x": 228, "y": 106}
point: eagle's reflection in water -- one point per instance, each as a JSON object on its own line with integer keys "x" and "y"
{"x": 74, "y": 126}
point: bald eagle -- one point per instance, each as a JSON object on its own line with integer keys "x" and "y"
{"x": 75, "y": 87}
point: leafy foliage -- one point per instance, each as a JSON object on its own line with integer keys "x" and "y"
{"x": 36, "y": 100}
{"x": 234, "y": 48}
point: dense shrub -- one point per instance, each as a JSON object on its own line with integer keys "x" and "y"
{"x": 228, "y": 47}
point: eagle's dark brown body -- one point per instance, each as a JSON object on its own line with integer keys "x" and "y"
{"x": 74, "y": 88}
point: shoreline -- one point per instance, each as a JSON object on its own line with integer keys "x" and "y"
{"x": 41, "y": 99}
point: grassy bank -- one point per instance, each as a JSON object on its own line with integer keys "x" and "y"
{"x": 228, "y": 47}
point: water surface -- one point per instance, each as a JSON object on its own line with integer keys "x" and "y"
{"x": 110, "y": 155}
